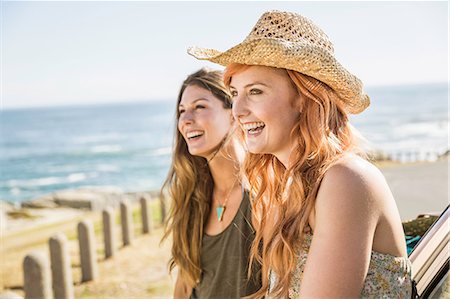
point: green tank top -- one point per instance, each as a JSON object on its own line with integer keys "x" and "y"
{"x": 225, "y": 257}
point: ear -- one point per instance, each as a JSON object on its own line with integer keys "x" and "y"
{"x": 299, "y": 102}
{"x": 231, "y": 118}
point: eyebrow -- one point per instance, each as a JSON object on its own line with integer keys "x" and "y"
{"x": 251, "y": 84}
{"x": 195, "y": 101}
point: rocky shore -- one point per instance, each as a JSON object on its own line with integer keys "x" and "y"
{"x": 418, "y": 187}
{"x": 63, "y": 205}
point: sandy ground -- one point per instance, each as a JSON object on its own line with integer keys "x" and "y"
{"x": 136, "y": 271}
{"x": 419, "y": 187}
{"x": 140, "y": 270}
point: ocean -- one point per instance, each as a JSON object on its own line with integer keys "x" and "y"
{"x": 129, "y": 145}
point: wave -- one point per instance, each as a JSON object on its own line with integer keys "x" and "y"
{"x": 163, "y": 151}
{"x": 425, "y": 136}
{"x": 427, "y": 129}
{"x": 51, "y": 153}
{"x": 63, "y": 168}
{"x": 100, "y": 149}
{"x": 97, "y": 138}
{"x": 49, "y": 181}
{"x": 107, "y": 168}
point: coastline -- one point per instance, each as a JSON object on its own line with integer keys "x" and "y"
{"x": 63, "y": 205}
{"x": 419, "y": 187}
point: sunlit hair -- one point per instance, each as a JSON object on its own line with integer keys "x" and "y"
{"x": 189, "y": 185}
{"x": 323, "y": 134}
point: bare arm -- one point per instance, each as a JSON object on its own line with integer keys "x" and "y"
{"x": 182, "y": 289}
{"x": 346, "y": 217}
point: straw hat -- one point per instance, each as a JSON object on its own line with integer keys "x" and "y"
{"x": 291, "y": 41}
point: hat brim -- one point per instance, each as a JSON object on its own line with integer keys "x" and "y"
{"x": 302, "y": 57}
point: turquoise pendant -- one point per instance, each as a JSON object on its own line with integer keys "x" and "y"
{"x": 220, "y": 210}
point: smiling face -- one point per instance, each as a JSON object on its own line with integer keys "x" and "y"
{"x": 203, "y": 121}
{"x": 266, "y": 104}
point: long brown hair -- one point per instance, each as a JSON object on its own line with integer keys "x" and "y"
{"x": 189, "y": 185}
{"x": 322, "y": 135}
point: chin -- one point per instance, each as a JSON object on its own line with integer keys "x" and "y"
{"x": 199, "y": 153}
{"x": 255, "y": 149}
{"x": 196, "y": 154}
{"x": 193, "y": 152}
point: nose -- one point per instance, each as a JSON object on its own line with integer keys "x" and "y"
{"x": 186, "y": 118}
{"x": 240, "y": 108}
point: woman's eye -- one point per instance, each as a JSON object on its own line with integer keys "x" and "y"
{"x": 254, "y": 91}
{"x": 199, "y": 107}
{"x": 233, "y": 93}
{"x": 180, "y": 112}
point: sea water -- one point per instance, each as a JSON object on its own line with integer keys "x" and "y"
{"x": 129, "y": 145}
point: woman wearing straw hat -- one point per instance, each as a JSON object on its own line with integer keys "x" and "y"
{"x": 292, "y": 98}
{"x": 210, "y": 219}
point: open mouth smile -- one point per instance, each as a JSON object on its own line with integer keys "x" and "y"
{"x": 193, "y": 135}
{"x": 253, "y": 128}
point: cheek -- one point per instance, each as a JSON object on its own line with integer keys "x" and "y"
{"x": 216, "y": 123}
{"x": 270, "y": 114}
{"x": 223, "y": 117}
{"x": 224, "y": 124}
{"x": 263, "y": 111}
{"x": 282, "y": 119}
{"x": 292, "y": 121}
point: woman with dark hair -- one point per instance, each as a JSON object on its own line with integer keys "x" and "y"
{"x": 291, "y": 98}
{"x": 210, "y": 217}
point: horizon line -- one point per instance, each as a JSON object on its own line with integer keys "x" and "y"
{"x": 167, "y": 98}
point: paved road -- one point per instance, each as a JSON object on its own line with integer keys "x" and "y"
{"x": 419, "y": 187}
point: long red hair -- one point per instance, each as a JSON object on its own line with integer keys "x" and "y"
{"x": 323, "y": 135}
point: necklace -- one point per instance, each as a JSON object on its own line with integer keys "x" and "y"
{"x": 220, "y": 210}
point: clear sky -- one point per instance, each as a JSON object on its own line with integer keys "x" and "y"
{"x": 61, "y": 53}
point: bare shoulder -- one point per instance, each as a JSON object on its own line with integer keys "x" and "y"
{"x": 354, "y": 175}
{"x": 354, "y": 172}
{"x": 353, "y": 186}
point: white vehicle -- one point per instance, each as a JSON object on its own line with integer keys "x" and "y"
{"x": 430, "y": 260}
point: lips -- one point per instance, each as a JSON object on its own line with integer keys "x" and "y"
{"x": 191, "y": 135}
{"x": 253, "y": 128}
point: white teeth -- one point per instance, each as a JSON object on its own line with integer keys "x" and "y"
{"x": 252, "y": 126}
{"x": 194, "y": 134}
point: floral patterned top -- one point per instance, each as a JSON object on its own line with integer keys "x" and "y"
{"x": 388, "y": 276}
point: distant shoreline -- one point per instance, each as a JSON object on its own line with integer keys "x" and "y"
{"x": 130, "y": 145}
{"x": 377, "y": 157}
{"x": 171, "y": 98}
{"x": 420, "y": 187}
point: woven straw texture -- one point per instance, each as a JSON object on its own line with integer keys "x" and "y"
{"x": 291, "y": 41}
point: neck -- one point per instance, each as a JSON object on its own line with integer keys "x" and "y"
{"x": 284, "y": 159}
{"x": 224, "y": 171}
{"x": 284, "y": 156}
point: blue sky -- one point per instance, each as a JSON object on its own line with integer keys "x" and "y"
{"x": 61, "y": 53}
